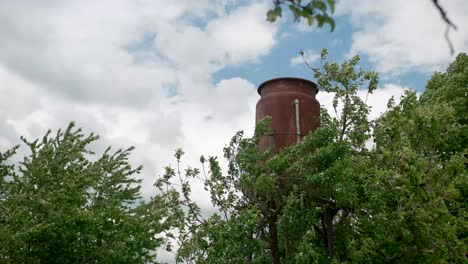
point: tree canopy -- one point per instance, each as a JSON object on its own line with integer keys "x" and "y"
{"x": 60, "y": 205}
{"x": 401, "y": 200}
{"x": 390, "y": 190}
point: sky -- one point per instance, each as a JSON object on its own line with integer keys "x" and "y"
{"x": 160, "y": 75}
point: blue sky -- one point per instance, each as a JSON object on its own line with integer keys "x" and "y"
{"x": 159, "y": 74}
{"x": 297, "y": 36}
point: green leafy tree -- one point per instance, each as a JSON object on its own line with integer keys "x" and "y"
{"x": 61, "y": 205}
{"x": 331, "y": 198}
{"x": 450, "y": 88}
{"x": 316, "y": 11}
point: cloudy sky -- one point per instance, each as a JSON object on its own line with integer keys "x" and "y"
{"x": 165, "y": 74}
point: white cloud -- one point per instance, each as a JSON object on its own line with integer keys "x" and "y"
{"x": 78, "y": 49}
{"x": 309, "y": 55}
{"x": 232, "y": 98}
{"x": 138, "y": 73}
{"x": 18, "y": 96}
{"x": 377, "y": 100}
{"x": 18, "y": 99}
{"x": 244, "y": 34}
{"x": 399, "y": 36}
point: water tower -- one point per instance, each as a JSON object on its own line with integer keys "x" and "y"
{"x": 293, "y": 108}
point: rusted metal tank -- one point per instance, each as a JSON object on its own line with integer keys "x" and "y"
{"x": 293, "y": 109}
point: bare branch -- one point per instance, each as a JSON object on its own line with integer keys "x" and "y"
{"x": 302, "y": 55}
{"x": 444, "y": 14}
{"x": 447, "y": 21}
{"x": 452, "y": 50}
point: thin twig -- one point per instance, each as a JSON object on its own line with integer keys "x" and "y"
{"x": 204, "y": 171}
{"x": 305, "y": 61}
{"x": 447, "y": 21}
{"x": 452, "y": 50}
{"x": 444, "y": 14}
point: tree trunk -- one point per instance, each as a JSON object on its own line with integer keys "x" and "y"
{"x": 275, "y": 256}
{"x": 248, "y": 257}
{"x": 329, "y": 232}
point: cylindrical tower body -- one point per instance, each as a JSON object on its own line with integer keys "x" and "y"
{"x": 293, "y": 109}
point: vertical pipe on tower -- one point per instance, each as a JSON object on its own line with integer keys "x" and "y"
{"x": 298, "y": 125}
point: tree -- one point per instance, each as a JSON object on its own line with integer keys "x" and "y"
{"x": 450, "y": 88}
{"x": 331, "y": 198}
{"x": 61, "y": 205}
{"x": 314, "y": 11}
{"x": 321, "y": 11}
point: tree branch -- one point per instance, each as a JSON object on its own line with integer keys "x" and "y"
{"x": 444, "y": 14}
{"x": 447, "y": 21}
{"x": 305, "y": 61}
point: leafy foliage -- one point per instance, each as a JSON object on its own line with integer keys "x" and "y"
{"x": 331, "y": 198}
{"x": 414, "y": 187}
{"x": 450, "y": 88}
{"x": 318, "y": 11}
{"x": 60, "y": 206}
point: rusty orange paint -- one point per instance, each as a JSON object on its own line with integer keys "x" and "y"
{"x": 277, "y": 100}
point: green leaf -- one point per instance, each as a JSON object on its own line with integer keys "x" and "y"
{"x": 328, "y": 20}
{"x": 331, "y": 3}
{"x": 296, "y": 11}
{"x": 331, "y": 21}
{"x": 273, "y": 14}
{"x": 320, "y": 5}
{"x": 320, "y": 20}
